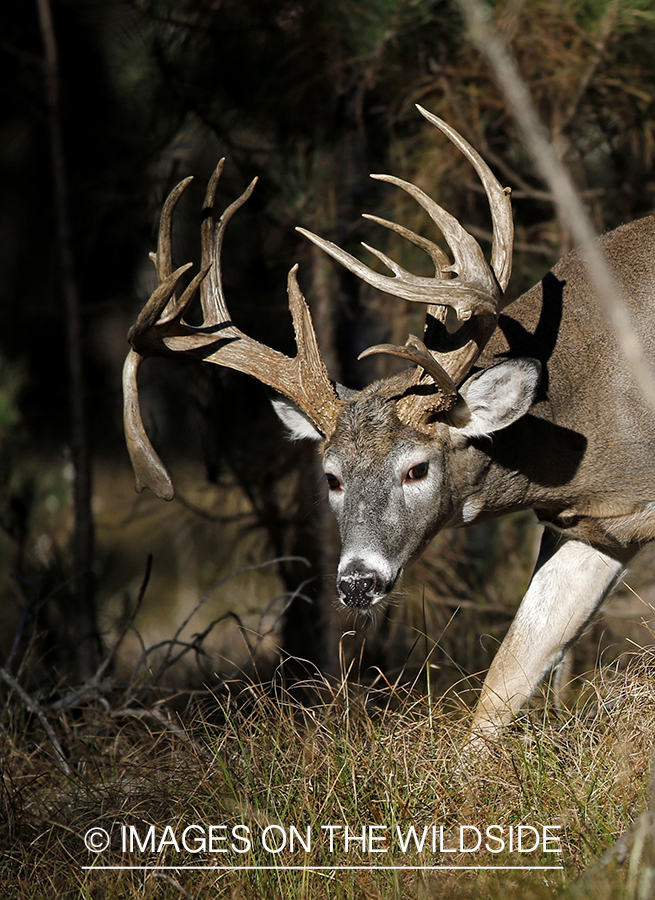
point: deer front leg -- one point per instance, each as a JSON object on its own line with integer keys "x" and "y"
{"x": 570, "y": 580}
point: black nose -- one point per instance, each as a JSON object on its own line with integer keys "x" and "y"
{"x": 357, "y": 590}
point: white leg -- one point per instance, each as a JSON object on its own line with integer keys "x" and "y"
{"x": 562, "y": 679}
{"x": 569, "y": 582}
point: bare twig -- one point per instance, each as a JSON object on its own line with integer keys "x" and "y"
{"x": 127, "y": 626}
{"x": 35, "y": 708}
{"x": 151, "y": 712}
{"x": 166, "y": 662}
{"x": 93, "y": 688}
{"x": 605, "y": 33}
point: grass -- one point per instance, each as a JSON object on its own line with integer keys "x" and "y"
{"x": 270, "y": 768}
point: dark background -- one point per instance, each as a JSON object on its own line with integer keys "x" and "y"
{"x": 311, "y": 97}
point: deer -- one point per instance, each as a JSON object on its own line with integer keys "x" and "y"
{"x": 501, "y": 409}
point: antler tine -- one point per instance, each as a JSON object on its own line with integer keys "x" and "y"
{"x": 163, "y": 259}
{"x": 474, "y": 294}
{"x": 434, "y": 251}
{"x": 210, "y": 311}
{"x": 161, "y": 331}
{"x": 415, "y": 350}
{"x": 398, "y": 270}
{"x": 212, "y": 294}
{"x": 303, "y": 379}
{"x": 158, "y": 302}
{"x": 500, "y": 201}
{"x": 465, "y": 298}
{"x": 470, "y": 264}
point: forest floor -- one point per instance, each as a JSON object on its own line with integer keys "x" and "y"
{"x": 326, "y": 790}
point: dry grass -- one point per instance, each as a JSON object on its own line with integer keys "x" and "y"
{"x": 319, "y": 755}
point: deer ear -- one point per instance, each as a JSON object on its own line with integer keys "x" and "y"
{"x": 494, "y": 398}
{"x": 299, "y": 426}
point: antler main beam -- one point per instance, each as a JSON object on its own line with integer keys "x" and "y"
{"x": 161, "y": 331}
{"x": 477, "y": 287}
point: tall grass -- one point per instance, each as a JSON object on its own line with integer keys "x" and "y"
{"x": 261, "y": 760}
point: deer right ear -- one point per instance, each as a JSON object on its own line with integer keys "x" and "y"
{"x": 495, "y": 397}
{"x": 299, "y": 425}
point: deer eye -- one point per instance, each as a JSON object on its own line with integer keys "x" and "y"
{"x": 420, "y": 470}
{"x": 334, "y": 483}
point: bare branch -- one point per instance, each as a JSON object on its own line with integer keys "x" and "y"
{"x": 35, "y": 708}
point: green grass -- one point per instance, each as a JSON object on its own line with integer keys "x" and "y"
{"x": 265, "y": 759}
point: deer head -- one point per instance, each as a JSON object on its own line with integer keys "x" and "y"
{"x": 396, "y": 453}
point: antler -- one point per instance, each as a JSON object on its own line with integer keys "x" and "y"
{"x": 473, "y": 294}
{"x": 161, "y": 331}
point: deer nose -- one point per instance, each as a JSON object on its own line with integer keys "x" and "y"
{"x": 364, "y": 582}
{"x": 357, "y": 590}
{"x": 360, "y": 586}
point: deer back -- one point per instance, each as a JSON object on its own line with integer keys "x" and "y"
{"x": 586, "y": 449}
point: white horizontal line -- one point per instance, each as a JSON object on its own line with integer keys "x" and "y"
{"x": 316, "y": 868}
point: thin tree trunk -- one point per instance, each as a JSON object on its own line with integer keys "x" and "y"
{"x": 83, "y": 539}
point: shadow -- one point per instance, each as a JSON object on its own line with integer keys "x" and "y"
{"x": 530, "y": 446}
{"x": 541, "y": 343}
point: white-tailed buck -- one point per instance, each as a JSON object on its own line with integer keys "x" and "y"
{"x": 531, "y": 409}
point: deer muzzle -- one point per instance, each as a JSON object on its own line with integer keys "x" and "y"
{"x": 360, "y": 586}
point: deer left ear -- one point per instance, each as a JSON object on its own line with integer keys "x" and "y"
{"x": 299, "y": 426}
{"x": 494, "y": 398}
